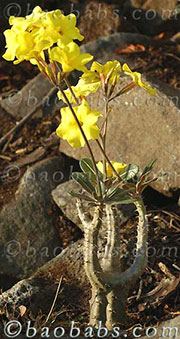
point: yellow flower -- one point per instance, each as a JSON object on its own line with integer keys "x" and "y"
{"x": 18, "y": 45}
{"x": 21, "y": 40}
{"x": 111, "y": 70}
{"x": 55, "y": 27}
{"x": 119, "y": 167}
{"x": 69, "y": 130}
{"x": 91, "y": 80}
{"x": 21, "y": 23}
{"x": 50, "y": 26}
{"x": 67, "y": 29}
{"x": 137, "y": 79}
{"x": 70, "y": 57}
{"x": 81, "y": 90}
{"x": 30, "y": 36}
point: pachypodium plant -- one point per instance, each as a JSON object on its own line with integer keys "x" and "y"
{"x": 46, "y": 39}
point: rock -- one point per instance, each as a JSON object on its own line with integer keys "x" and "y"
{"x": 172, "y": 26}
{"x": 67, "y": 204}
{"x": 100, "y": 19}
{"x": 20, "y": 103}
{"x": 104, "y": 48}
{"x": 165, "y": 8}
{"x": 68, "y": 264}
{"x": 166, "y": 329}
{"x": 141, "y": 19}
{"x": 141, "y": 127}
{"x": 28, "y": 234}
{"x": 37, "y": 292}
{"x": 149, "y": 16}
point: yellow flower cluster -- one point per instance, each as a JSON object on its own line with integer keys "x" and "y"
{"x": 43, "y": 36}
{"x": 31, "y": 36}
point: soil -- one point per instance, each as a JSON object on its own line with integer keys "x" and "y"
{"x": 163, "y": 214}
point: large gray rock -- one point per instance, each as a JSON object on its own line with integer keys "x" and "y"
{"x": 38, "y": 291}
{"x": 166, "y": 329}
{"x": 141, "y": 127}
{"x": 28, "y": 234}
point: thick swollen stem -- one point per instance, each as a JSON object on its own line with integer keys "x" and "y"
{"x": 111, "y": 260}
{"x": 92, "y": 266}
{"x": 116, "y": 314}
{"x": 137, "y": 268}
{"x": 98, "y": 305}
{"x": 91, "y": 232}
{"x": 110, "y": 287}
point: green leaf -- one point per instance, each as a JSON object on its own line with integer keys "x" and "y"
{"x": 81, "y": 196}
{"x": 122, "y": 201}
{"x": 84, "y": 180}
{"x": 141, "y": 184}
{"x": 113, "y": 189}
{"x": 118, "y": 194}
{"x": 103, "y": 187}
{"x": 149, "y": 181}
{"x": 130, "y": 172}
{"x": 146, "y": 183}
{"x": 88, "y": 167}
{"x": 148, "y": 168}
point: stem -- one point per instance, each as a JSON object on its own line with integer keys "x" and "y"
{"x": 105, "y": 120}
{"x": 137, "y": 268}
{"x": 67, "y": 83}
{"x": 84, "y": 136}
{"x": 104, "y": 138}
{"x": 98, "y": 305}
{"x": 116, "y": 308}
{"x": 123, "y": 90}
{"x": 91, "y": 232}
{"x": 98, "y": 302}
{"x": 71, "y": 90}
{"x": 111, "y": 260}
